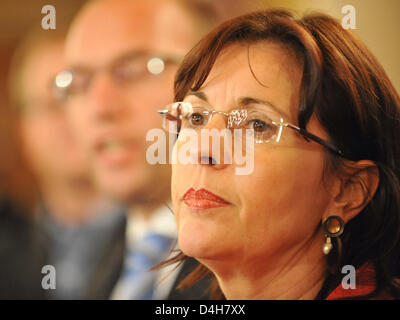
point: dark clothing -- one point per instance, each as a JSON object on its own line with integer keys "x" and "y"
{"x": 365, "y": 283}
{"x": 22, "y": 255}
{"x": 109, "y": 268}
{"x": 24, "y": 251}
{"x": 78, "y": 253}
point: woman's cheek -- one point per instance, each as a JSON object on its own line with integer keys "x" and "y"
{"x": 175, "y": 179}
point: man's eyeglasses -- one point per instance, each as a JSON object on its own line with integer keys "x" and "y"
{"x": 267, "y": 128}
{"x": 130, "y": 68}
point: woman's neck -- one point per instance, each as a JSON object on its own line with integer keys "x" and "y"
{"x": 69, "y": 202}
{"x": 297, "y": 275}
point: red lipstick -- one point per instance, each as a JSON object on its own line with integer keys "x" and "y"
{"x": 203, "y": 199}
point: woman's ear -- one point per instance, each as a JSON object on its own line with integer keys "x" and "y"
{"x": 353, "y": 189}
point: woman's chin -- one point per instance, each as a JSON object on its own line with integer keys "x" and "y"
{"x": 196, "y": 243}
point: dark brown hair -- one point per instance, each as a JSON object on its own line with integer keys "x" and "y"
{"x": 347, "y": 89}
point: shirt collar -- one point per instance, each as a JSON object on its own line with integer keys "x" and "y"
{"x": 161, "y": 221}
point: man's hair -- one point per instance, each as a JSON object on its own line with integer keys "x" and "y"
{"x": 204, "y": 17}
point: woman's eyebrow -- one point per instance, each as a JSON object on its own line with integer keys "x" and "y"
{"x": 198, "y": 94}
{"x": 245, "y": 101}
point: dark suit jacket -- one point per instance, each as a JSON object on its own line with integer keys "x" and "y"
{"x": 22, "y": 255}
{"x": 110, "y": 268}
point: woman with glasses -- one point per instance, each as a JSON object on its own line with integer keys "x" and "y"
{"x": 319, "y": 216}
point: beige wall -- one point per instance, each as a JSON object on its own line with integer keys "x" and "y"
{"x": 377, "y": 23}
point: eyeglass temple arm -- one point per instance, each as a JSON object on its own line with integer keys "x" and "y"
{"x": 322, "y": 142}
{"x": 303, "y": 132}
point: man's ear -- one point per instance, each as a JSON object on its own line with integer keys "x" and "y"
{"x": 353, "y": 189}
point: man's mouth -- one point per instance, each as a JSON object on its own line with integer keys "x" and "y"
{"x": 112, "y": 145}
{"x": 115, "y": 152}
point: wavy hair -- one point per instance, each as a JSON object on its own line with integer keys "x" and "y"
{"x": 347, "y": 89}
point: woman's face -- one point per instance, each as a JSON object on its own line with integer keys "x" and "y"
{"x": 278, "y": 207}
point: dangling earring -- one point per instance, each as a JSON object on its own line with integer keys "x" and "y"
{"x": 333, "y": 227}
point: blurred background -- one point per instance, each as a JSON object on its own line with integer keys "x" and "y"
{"x": 377, "y": 24}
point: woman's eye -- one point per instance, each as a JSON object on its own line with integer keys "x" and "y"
{"x": 259, "y": 125}
{"x": 196, "y": 119}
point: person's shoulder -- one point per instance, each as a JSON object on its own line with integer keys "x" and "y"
{"x": 22, "y": 255}
{"x": 365, "y": 284}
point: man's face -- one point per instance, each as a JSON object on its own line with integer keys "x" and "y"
{"x": 115, "y": 110}
{"x": 47, "y": 141}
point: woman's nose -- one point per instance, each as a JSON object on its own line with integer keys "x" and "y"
{"x": 206, "y": 159}
{"x": 214, "y": 144}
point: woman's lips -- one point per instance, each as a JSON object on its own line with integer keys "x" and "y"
{"x": 203, "y": 199}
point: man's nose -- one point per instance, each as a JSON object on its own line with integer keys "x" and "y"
{"x": 104, "y": 98}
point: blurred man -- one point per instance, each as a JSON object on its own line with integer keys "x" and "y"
{"x": 78, "y": 225}
{"x": 123, "y": 55}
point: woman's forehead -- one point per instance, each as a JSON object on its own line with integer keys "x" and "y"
{"x": 265, "y": 70}
{"x": 264, "y": 60}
